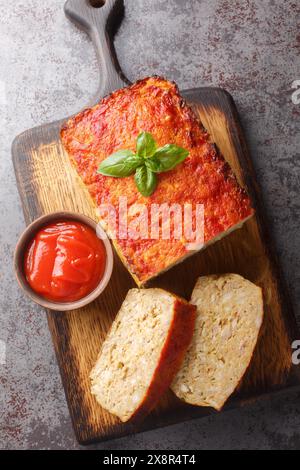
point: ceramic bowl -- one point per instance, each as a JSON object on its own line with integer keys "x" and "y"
{"x": 30, "y": 233}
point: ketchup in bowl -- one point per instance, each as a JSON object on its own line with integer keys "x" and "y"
{"x": 65, "y": 261}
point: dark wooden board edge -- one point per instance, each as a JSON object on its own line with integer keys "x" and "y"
{"x": 215, "y": 97}
{"x": 185, "y": 413}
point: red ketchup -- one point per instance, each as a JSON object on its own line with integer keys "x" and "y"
{"x": 65, "y": 261}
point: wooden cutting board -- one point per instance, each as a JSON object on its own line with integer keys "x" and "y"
{"x": 47, "y": 183}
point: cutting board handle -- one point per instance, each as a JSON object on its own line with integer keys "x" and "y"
{"x": 100, "y": 22}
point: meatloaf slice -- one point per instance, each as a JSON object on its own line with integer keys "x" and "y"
{"x": 142, "y": 352}
{"x": 154, "y": 105}
{"x": 229, "y": 318}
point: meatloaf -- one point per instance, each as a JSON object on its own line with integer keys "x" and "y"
{"x": 154, "y": 105}
{"x": 142, "y": 352}
{"x": 228, "y": 321}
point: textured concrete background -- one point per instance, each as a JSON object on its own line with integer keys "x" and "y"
{"x": 48, "y": 70}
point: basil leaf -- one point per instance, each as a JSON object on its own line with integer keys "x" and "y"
{"x": 167, "y": 158}
{"x": 146, "y": 181}
{"x": 120, "y": 164}
{"x": 154, "y": 164}
{"x": 146, "y": 145}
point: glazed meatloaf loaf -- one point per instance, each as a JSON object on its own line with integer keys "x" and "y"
{"x": 142, "y": 352}
{"x": 228, "y": 321}
{"x": 154, "y": 105}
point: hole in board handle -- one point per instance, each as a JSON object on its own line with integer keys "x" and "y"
{"x": 97, "y": 3}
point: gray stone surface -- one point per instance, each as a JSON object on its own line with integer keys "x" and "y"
{"x": 48, "y": 70}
